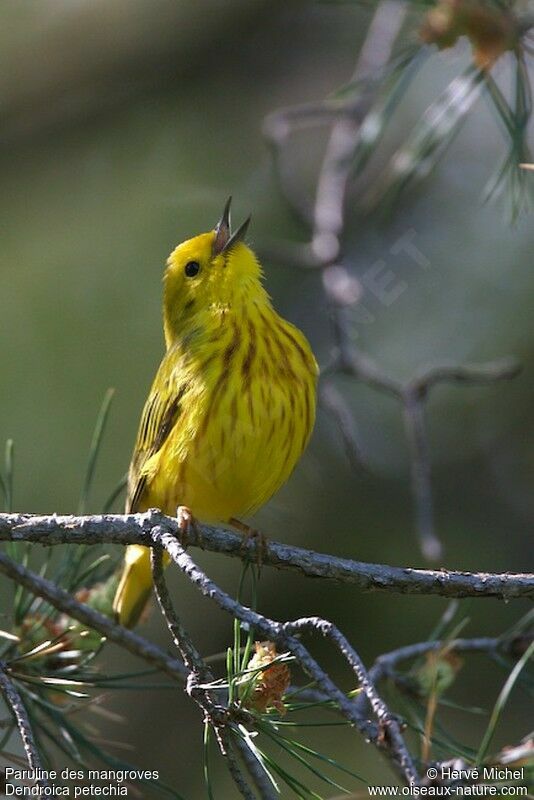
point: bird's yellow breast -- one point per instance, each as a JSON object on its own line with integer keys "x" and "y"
{"x": 232, "y": 405}
{"x": 246, "y": 410}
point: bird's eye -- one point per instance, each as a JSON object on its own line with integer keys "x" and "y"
{"x": 192, "y": 268}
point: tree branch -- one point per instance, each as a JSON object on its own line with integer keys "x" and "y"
{"x": 138, "y": 529}
{"x": 64, "y": 602}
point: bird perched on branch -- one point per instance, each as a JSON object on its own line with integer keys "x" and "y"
{"x": 232, "y": 405}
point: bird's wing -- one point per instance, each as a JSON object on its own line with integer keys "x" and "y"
{"x": 160, "y": 414}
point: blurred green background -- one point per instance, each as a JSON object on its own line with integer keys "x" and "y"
{"x": 125, "y": 125}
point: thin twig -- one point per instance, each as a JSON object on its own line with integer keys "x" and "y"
{"x": 416, "y": 434}
{"x": 199, "y": 673}
{"x": 190, "y": 655}
{"x": 229, "y": 745}
{"x": 386, "y": 663}
{"x": 259, "y": 777}
{"x": 14, "y": 702}
{"x": 412, "y": 395}
{"x": 335, "y": 404}
{"x": 389, "y": 725}
{"x": 336, "y": 169}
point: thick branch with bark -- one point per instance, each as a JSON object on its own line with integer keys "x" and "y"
{"x": 138, "y": 529}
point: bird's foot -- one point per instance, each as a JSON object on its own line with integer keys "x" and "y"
{"x": 251, "y": 535}
{"x": 186, "y": 524}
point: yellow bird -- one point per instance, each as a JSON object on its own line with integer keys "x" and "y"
{"x": 232, "y": 405}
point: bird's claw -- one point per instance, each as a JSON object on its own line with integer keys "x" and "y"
{"x": 186, "y": 524}
{"x": 189, "y": 531}
{"x": 251, "y": 535}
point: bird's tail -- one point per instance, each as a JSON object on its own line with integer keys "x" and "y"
{"x": 135, "y": 585}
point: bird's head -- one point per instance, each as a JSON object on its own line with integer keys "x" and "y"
{"x": 210, "y": 275}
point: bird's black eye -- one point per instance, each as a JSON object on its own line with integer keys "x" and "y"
{"x": 192, "y": 268}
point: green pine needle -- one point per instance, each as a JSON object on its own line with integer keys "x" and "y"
{"x": 501, "y": 702}
{"x": 94, "y": 450}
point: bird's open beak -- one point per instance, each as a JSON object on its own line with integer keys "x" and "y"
{"x": 224, "y": 239}
{"x": 222, "y": 230}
